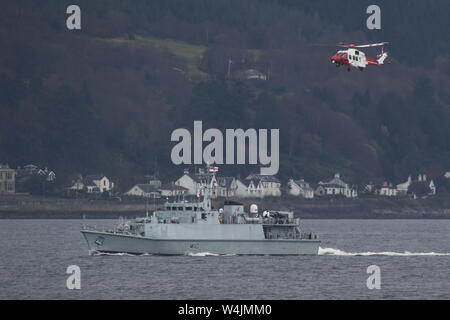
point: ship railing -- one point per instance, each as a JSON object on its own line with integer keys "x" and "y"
{"x": 279, "y": 221}
{"x": 308, "y": 236}
{"x": 301, "y": 236}
{"x": 260, "y": 220}
{"x": 109, "y": 230}
{"x": 99, "y": 229}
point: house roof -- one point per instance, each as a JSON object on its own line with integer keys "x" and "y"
{"x": 262, "y": 178}
{"x": 89, "y": 180}
{"x": 303, "y": 184}
{"x": 95, "y": 177}
{"x": 247, "y": 182}
{"x": 336, "y": 182}
{"x": 419, "y": 188}
{"x": 199, "y": 177}
{"x": 147, "y": 188}
{"x": 27, "y": 170}
{"x": 332, "y": 185}
{"x": 224, "y": 182}
{"x": 194, "y": 177}
{"x": 6, "y": 167}
{"x": 172, "y": 186}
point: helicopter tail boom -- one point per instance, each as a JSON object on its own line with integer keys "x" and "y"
{"x": 382, "y": 57}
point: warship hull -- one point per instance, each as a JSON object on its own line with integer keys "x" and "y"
{"x": 122, "y": 243}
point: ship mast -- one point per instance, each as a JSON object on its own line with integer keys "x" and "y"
{"x": 210, "y": 174}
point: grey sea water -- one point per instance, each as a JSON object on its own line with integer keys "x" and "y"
{"x": 413, "y": 255}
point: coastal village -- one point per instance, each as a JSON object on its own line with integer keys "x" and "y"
{"x": 192, "y": 183}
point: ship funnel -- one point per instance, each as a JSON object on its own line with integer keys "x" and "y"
{"x": 253, "y": 209}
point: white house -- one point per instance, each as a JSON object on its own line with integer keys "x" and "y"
{"x": 254, "y": 189}
{"x": 241, "y": 189}
{"x": 225, "y": 187}
{"x": 270, "y": 186}
{"x": 254, "y": 185}
{"x": 30, "y": 170}
{"x": 48, "y": 174}
{"x": 300, "y": 188}
{"x": 195, "y": 184}
{"x": 257, "y": 186}
{"x": 336, "y": 187}
{"x": 97, "y": 183}
{"x": 190, "y": 182}
{"x": 402, "y": 188}
{"x": 144, "y": 190}
{"x": 248, "y": 189}
{"x": 417, "y": 188}
{"x": 77, "y": 184}
{"x": 7, "y": 179}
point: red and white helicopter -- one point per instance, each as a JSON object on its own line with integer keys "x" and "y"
{"x": 353, "y": 57}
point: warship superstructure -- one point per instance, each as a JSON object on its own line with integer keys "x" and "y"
{"x": 189, "y": 227}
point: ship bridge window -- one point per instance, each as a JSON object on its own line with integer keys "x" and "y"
{"x": 189, "y": 208}
{"x": 180, "y": 208}
{"x": 195, "y": 208}
{"x": 174, "y": 208}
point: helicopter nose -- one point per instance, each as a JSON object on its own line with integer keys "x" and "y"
{"x": 334, "y": 59}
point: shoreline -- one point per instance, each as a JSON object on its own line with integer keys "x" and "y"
{"x": 32, "y": 207}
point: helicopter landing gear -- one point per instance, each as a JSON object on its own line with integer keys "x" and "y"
{"x": 361, "y": 69}
{"x": 348, "y": 69}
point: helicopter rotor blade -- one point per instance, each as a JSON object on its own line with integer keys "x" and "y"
{"x": 352, "y": 45}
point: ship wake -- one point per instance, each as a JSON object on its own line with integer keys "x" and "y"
{"x": 206, "y": 254}
{"x": 337, "y": 252}
{"x": 120, "y": 254}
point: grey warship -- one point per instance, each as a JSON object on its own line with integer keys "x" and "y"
{"x": 192, "y": 227}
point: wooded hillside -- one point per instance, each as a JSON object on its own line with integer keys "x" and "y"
{"x": 107, "y": 97}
